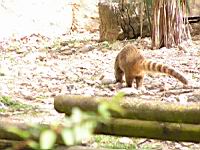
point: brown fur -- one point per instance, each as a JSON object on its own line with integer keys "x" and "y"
{"x": 132, "y": 63}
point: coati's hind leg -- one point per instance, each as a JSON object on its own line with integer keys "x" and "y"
{"x": 139, "y": 81}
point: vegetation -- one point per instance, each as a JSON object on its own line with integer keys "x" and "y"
{"x": 112, "y": 142}
{"x": 70, "y": 129}
{"x": 12, "y": 105}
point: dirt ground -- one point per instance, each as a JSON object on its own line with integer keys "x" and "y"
{"x": 35, "y": 68}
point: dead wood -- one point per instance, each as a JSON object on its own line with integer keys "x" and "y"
{"x": 127, "y": 127}
{"x": 151, "y": 129}
{"x": 135, "y": 109}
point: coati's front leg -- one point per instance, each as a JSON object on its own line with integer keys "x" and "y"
{"x": 129, "y": 79}
{"x": 139, "y": 82}
{"x": 119, "y": 75}
{"x": 118, "y": 72}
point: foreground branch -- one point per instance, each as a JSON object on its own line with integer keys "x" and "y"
{"x": 134, "y": 108}
{"x": 151, "y": 129}
{"x": 127, "y": 127}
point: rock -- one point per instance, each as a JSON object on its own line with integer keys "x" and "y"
{"x": 66, "y": 50}
{"x": 90, "y": 82}
{"x": 89, "y": 92}
{"x": 125, "y": 140}
{"x": 86, "y": 48}
{"x": 4, "y": 90}
{"x": 42, "y": 57}
{"x": 130, "y": 91}
{"x": 4, "y": 68}
{"x": 27, "y": 94}
{"x": 107, "y": 79}
{"x": 183, "y": 99}
{"x": 170, "y": 99}
{"x": 2, "y": 106}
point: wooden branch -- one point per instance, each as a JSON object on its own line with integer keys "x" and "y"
{"x": 135, "y": 109}
{"x": 151, "y": 129}
{"x": 127, "y": 127}
{"x": 4, "y": 134}
{"x": 5, "y": 144}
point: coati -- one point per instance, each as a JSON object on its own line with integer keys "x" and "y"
{"x": 133, "y": 64}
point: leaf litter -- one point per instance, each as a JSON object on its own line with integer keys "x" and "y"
{"x": 40, "y": 72}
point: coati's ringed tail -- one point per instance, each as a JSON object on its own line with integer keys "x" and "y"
{"x": 148, "y": 65}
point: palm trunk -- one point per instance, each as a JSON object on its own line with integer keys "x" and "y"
{"x": 168, "y": 27}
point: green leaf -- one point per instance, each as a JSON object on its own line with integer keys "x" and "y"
{"x": 33, "y": 144}
{"x": 47, "y": 139}
{"x": 118, "y": 97}
{"x": 76, "y": 115}
{"x": 82, "y": 132}
{"x": 67, "y": 122}
{"x": 21, "y": 133}
{"x": 67, "y": 136}
{"x": 114, "y": 105}
{"x": 104, "y": 111}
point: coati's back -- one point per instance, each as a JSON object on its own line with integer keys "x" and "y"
{"x": 130, "y": 59}
{"x": 131, "y": 62}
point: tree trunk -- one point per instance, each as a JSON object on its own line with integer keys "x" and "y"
{"x": 109, "y": 27}
{"x": 169, "y": 28}
{"x": 134, "y": 109}
{"x": 120, "y": 21}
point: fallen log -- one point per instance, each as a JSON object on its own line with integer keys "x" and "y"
{"x": 6, "y": 135}
{"x": 126, "y": 127}
{"x": 134, "y": 109}
{"x": 151, "y": 129}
